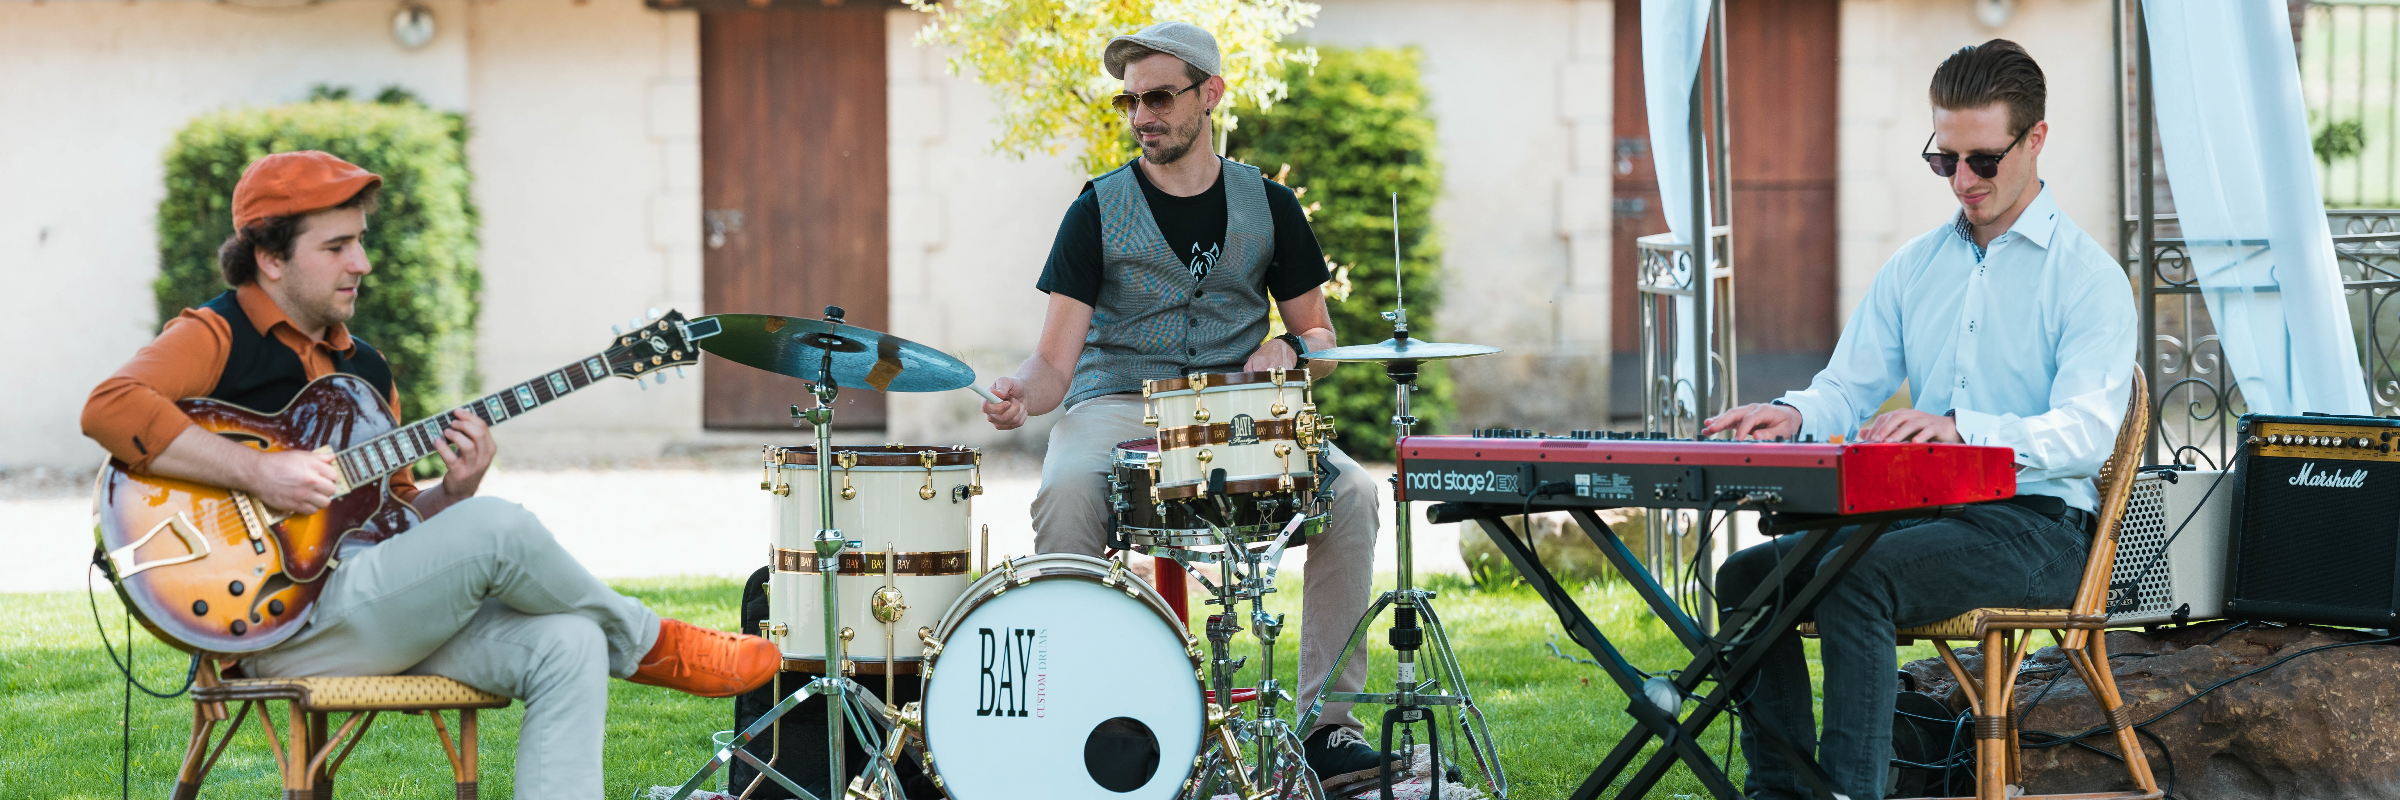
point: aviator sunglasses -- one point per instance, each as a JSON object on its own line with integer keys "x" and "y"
{"x": 1159, "y": 100}
{"x": 1946, "y": 164}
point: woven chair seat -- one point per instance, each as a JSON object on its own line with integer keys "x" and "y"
{"x": 366, "y": 693}
{"x": 1971, "y": 625}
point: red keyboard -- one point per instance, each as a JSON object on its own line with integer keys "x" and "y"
{"x": 1789, "y": 477}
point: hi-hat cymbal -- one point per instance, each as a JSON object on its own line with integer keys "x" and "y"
{"x": 860, "y": 356}
{"x": 1402, "y": 350}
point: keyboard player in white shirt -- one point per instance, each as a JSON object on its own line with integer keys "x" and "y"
{"x": 2012, "y": 328}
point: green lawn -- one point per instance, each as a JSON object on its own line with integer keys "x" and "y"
{"x": 1554, "y": 719}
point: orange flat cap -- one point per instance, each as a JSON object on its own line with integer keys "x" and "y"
{"x": 298, "y": 182}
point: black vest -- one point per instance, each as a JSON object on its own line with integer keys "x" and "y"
{"x": 261, "y": 374}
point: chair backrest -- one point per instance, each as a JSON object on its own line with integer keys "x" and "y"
{"x": 2116, "y": 487}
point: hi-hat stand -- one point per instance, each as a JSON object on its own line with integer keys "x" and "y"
{"x": 1414, "y": 623}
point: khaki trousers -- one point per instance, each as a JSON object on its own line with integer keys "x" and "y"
{"x": 1070, "y": 515}
{"x": 483, "y": 595}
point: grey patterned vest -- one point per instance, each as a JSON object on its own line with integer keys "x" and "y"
{"x": 1152, "y": 321}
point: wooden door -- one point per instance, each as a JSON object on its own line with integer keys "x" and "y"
{"x": 1781, "y": 93}
{"x": 792, "y": 177}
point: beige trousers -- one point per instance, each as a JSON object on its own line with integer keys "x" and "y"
{"x": 483, "y": 595}
{"x": 1070, "y": 515}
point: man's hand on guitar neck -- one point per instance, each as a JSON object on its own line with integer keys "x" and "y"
{"x": 466, "y": 451}
{"x": 289, "y": 481}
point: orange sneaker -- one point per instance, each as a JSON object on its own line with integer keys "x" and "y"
{"x": 708, "y": 663}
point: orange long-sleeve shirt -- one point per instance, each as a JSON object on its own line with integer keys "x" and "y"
{"x": 133, "y": 413}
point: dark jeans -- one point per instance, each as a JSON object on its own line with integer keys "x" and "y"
{"x": 1994, "y": 555}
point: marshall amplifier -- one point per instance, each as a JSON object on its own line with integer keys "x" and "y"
{"x": 2317, "y": 537}
{"x": 2158, "y": 581}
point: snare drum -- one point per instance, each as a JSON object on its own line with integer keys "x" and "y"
{"x": 1141, "y": 521}
{"x": 1063, "y": 673}
{"x": 1256, "y": 426}
{"x": 904, "y": 511}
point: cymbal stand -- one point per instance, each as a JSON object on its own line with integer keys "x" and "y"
{"x": 847, "y": 702}
{"x": 1412, "y": 701}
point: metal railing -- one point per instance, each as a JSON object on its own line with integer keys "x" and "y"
{"x": 2197, "y": 402}
{"x": 1665, "y": 279}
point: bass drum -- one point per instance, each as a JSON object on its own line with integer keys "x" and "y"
{"x": 1063, "y": 676}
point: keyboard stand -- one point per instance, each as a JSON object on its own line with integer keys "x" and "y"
{"x": 1726, "y": 661}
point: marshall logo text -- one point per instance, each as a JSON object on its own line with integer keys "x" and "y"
{"x": 2309, "y": 476}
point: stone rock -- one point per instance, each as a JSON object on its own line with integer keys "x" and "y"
{"x": 2324, "y": 725}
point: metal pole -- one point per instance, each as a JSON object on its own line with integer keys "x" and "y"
{"x": 1697, "y": 133}
{"x": 2147, "y": 129}
{"x": 829, "y": 552}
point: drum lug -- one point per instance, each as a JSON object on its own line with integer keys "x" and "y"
{"x": 848, "y": 459}
{"x": 926, "y": 492}
{"x": 933, "y": 646}
{"x": 1199, "y": 404}
{"x": 975, "y": 484}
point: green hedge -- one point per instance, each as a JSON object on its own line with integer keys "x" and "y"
{"x": 419, "y": 304}
{"x": 1353, "y": 131}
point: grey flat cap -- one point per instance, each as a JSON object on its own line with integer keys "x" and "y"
{"x": 1183, "y": 40}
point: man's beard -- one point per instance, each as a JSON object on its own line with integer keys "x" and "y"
{"x": 1179, "y": 143}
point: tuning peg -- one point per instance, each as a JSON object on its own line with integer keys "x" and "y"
{"x": 661, "y": 376}
{"x": 654, "y": 312}
{"x": 638, "y": 384}
{"x": 616, "y": 330}
{"x": 679, "y": 372}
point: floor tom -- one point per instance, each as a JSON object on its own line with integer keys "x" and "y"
{"x": 904, "y": 512}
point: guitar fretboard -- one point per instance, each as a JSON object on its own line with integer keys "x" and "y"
{"x": 383, "y": 455}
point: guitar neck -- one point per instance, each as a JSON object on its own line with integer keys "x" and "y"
{"x": 371, "y": 460}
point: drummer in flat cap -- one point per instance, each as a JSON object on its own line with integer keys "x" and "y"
{"x": 1165, "y": 267}
{"x": 479, "y": 591}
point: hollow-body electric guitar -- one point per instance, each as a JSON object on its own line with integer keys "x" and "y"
{"x": 215, "y": 570}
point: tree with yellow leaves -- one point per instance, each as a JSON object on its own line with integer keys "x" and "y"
{"x": 1042, "y": 60}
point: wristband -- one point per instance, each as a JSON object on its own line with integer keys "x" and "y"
{"x": 1299, "y": 348}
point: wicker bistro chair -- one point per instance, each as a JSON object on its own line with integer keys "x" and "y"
{"x": 311, "y": 750}
{"x": 2080, "y": 632}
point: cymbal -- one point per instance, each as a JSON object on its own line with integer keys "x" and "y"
{"x": 1402, "y": 350}
{"x": 862, "y": 357}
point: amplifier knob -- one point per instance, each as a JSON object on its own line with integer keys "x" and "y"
{"x": 2363, "y": 442}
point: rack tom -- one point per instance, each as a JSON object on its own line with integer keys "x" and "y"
{"x": 1256, "y": 426}
{"x": 905, "y": 513}
{"x": 1140, "y": 520}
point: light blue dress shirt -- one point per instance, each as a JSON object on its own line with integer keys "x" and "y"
{"x": 2031, "y": 343}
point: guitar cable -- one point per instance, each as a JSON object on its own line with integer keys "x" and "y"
{"x": 125, "y": 667}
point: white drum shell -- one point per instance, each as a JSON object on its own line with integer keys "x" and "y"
{"x": 1097, "y": 652}
{"x": 886, "y": 513}
{"x": 1254, "y": 460}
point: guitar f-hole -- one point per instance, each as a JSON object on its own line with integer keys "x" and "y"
{"x": 273, "y": 585}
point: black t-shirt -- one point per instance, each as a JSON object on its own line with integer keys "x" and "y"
{"x": 1195, "y": 227}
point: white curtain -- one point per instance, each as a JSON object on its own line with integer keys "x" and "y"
{"x": 1673, "y": 33}
{"x": 2235, "y": 130}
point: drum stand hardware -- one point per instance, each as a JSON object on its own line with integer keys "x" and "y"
{"x": 1277, "y": 769}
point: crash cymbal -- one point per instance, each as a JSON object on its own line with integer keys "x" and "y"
{"x": 1402, "y": 350}
{"x": 861, "y": 357}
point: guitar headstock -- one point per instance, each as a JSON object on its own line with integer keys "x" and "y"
{"x": 661, "y": 343}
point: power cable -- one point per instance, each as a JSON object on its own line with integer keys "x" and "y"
{"x": 124, "y": 666}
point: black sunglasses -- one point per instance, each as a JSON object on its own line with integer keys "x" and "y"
{"x": 1159, "y": 100}
{"x": 1946, "y": 165}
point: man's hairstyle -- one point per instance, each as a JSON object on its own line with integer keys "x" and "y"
{"x": 1997, "y": 71}
{"x": 238, "y": 257}
{"x": 1191, "y": 74}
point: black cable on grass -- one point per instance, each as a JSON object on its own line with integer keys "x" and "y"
{"x": 125, "y": 668}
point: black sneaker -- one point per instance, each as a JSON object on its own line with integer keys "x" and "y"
{"x": 1341, "y": 758}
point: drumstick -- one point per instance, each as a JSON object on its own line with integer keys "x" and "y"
{"x": 988, "y": 397}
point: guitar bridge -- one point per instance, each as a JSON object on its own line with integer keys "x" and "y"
{"x": 251, "y": 523}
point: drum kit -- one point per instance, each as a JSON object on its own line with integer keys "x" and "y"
{"x": 1062, "y": 673}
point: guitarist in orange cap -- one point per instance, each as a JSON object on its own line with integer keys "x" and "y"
{"x": 479, "y": 591}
